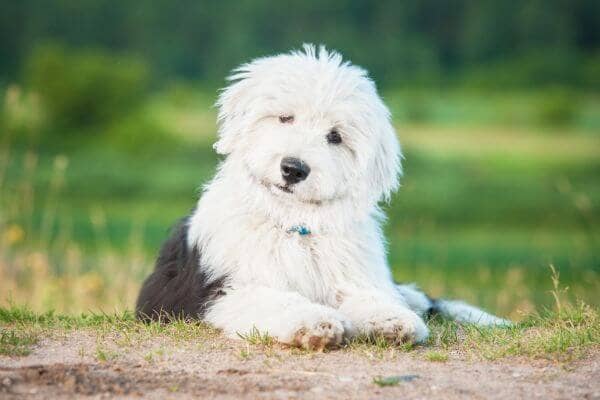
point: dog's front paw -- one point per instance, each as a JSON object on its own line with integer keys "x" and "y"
{"x": 397, "y": 326}
{"x": 320, "y": 336}
{"x": 321, "y": 331}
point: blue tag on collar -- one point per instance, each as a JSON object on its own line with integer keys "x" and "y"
{"x": 301, "y": 229}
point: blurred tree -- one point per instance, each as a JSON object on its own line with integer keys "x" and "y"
{"x": 409, "y": 42}
{"x": 84, "y": 88}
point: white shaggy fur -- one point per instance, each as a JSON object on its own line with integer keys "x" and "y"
{"x": 309, "y": 290}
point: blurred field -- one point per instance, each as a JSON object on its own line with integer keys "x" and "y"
{"x": 491, "y": 197}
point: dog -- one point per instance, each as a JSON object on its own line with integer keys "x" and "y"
{"x": 286, "y": 238}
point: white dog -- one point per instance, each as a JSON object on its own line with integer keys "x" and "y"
{"x": 286, "y": 238}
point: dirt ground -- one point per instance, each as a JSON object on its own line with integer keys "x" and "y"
{"x": 78, "y": 364}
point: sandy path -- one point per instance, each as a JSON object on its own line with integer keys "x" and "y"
{"x": 67, "y": 366}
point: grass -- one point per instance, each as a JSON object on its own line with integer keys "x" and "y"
{"x": 17, "y": 342}
{"x": 561, "y": 336}
{"x": 436, "y": 356}
{"x": 382, "y": 381}
{"x": 564, "y": 334}
{"x": 255, "y": 337}
{"x": 105, "y": 355}
{"x": 569, "y": 332}
{"x": 129, "y": 329}
{"x": 484, "y": 208}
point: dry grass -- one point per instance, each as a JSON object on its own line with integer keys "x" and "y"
{"x": 42, "y": 265}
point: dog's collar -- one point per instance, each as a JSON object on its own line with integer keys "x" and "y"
{"x": 301, "y": 229}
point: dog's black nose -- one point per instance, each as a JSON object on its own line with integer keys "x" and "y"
{"x": 294, "y": 170}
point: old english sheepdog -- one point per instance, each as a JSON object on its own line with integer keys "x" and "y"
{"x": 286, "y": 238}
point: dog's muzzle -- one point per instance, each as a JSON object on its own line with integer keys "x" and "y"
{"x": 294, "y": 170}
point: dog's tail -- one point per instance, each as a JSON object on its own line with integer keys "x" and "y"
{"x": 456, "y": 310}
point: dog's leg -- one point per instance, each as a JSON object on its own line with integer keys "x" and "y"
{"x": 418, "y": 301}
{"x": 373, "y": 313}
{"x": 287, "y": 316}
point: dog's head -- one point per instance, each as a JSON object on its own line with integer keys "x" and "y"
{"x": 309, "y": 127}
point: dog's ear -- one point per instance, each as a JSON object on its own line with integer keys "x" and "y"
{"x": 386, "y": 167}
{"x": 232, "y": 104}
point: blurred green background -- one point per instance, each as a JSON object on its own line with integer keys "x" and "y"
{"x": 107, "y": 122}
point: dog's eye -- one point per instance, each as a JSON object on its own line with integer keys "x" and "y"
{"x": 286, "y": 119}
{"x": 334, "y": 137}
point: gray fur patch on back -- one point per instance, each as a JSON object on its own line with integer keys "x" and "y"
{"x": 178, "y": 287}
